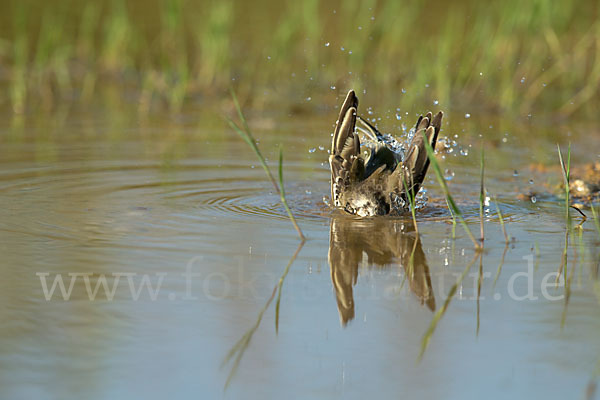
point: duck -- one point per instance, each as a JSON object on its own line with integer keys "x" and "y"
{"x": 381, "y": 182}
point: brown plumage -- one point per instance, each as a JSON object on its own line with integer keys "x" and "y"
{"x": 376, "y": 186}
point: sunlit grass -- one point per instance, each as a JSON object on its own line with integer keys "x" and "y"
{"x": 566, "y": 173}
{"x": 411, "y": 201}
{"x": 456, "y": 213}
{"x": 442, "y": 310}
{"x": 549, "y": 52}
{"x": 501, "y": 218}
{"x": 481, "y": 194}
{"x": 596, "y": 221}
{"x": 245, "y": 133}
{"x": 236, "y": 353}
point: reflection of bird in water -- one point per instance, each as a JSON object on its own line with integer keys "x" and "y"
{"x": 385, "y": 242}
{"x": 379, "y": 184}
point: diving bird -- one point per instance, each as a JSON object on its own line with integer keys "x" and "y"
{"x": 381, "y": 184}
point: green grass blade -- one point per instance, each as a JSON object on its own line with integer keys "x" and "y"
{"x": 481, "y": 194}
{"x": 449, "y": 199}
{"x": 506, "y": 239}
{"x": 440, "y": 313}
{"x": 246, "y": 135}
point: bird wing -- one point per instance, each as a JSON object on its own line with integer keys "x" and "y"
{"x": 415, "y": 164}
{"x": 346, "y": 164}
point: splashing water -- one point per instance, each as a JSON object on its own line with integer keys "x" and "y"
{"x": 399, "y": 146}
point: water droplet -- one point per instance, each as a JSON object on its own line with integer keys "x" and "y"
{"x": 427, "y": 85}
{"x": 312, "y": 150}
{"x": 307, "y": 191}
{"x": 360, "y": 28}
{"x": 321, "y": 148}
{"x": 523, "y": 80}
{"x": 467, "y": 115}
{"x": 435, "y": 102}
{"x": 531, "y": 181}
{"x": 481, "y": 74}
{"x": 544, "y": 84}
{"x": 268, "y": 57}
{"x": 308, "y": 98}
{"x": 327, "y": 44}
{"x": 398, "y": 117}
{"x": 516, "y": 173}
{"x": 533, "y": 199}
{"x": 332, "y": 87}
{"x": 448, "y": 174}
{"x": 504, "y": 140}
{"x": 349, "y": 51}
{"x": 403, "y": 90}
{"x": 342, "y": 49}
{"x": 464, "y": 152}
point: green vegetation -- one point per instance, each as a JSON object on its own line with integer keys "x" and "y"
{"x": 454, "y": 210}
{"x": 512, "y": 57}
{"x": 240, "y": 347}
{"x": 440, "y": 313}
{"x": 481, "y": 194}
{"x": 245, "y": 133}
{"x": 566, "y": 173}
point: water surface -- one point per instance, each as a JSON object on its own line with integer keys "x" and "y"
{"x": 187, "y": 206}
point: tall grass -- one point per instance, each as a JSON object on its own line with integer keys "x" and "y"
{"x": 236, "y": 353}
{"x": 566, "y": 173}
{"x": 452, "y": 205}
{"x": 501, "y": 218}
{"x": 411, "y": 201}
{"x": 506, "y": 241}
{"x": 245, "y": 133}
{"x": 549, "y": 52}
{"x": 596, "y": 221}
{"x": 442, "y": 311}
{"x": 481, "y": 194}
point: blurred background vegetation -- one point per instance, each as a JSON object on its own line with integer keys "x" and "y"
{"x": 508, "y": 57}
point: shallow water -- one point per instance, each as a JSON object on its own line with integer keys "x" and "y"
{"x": 187, "y": 207}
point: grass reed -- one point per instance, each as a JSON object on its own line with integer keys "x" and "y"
{"x": 596, "y": 221}
{"x": 442, "y": 310}
{"x": 566, "y": 173}
{"x": 246, "y": 135}
{"x": 239, "y": 348}
{"x": 453, "y": 220}
{"x": 500, "y": 265}
{"x": 506, "y": 241}
{"x": 450, "y": 201}
{"x": 479, "y": 284}
{"x": 481, "y": 194}
{"x": 501, "y": 218}
{"x": 411, "y": 200}
{"x": 546, "y": 50}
